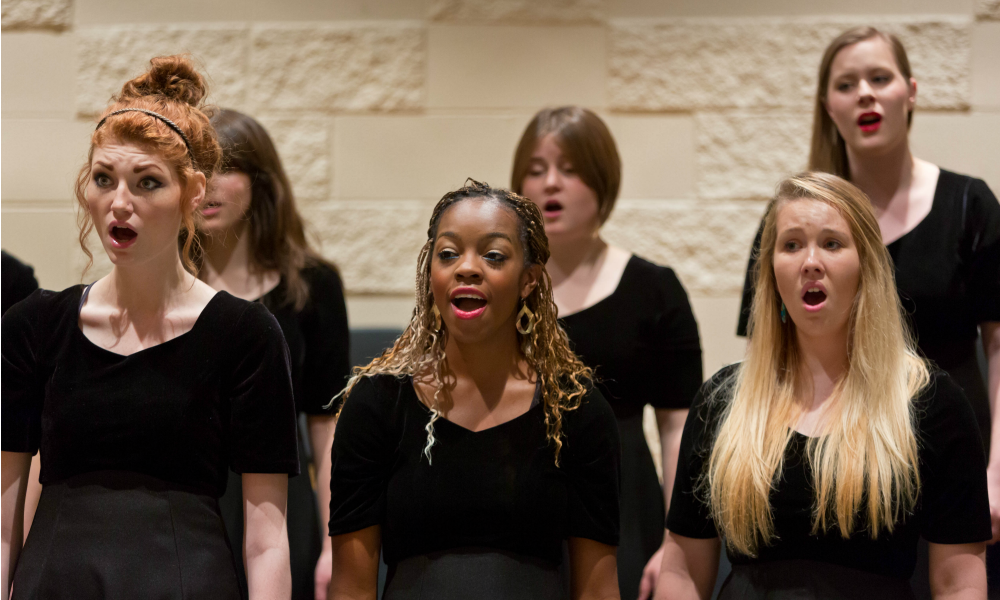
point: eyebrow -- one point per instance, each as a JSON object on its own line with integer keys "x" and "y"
{"x": 491, "y": 235}
{"x": 824, "y": 230}
{"x": 138, "y": 169}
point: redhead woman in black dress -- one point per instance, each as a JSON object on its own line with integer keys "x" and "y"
{"x": 255, "y": 248}
{"x": 143, "y": 387}
{"x": 475, "y": 446}
{"x": 627, "y": 318}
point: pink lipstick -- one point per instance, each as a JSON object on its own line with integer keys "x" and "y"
{"x": 468, "y": 302}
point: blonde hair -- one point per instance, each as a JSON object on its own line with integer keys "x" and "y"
{"x": 828, "y": 152}
{"x": 420, "y": 349}
{"x": 866, "y": 458}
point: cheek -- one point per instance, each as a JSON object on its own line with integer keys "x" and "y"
{"x": 532, "y": 188}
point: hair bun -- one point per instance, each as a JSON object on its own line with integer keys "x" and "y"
{"x": 173, "y": 77}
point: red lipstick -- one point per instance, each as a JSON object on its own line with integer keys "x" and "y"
{"x": 869, "y": 122}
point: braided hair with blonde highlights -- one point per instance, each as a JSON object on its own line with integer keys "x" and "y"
{"x": 420, "y": 349}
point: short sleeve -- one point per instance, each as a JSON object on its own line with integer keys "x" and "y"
{"x": 591, "y": 458}
{"x": 954, "y": 499}
{"x": 327, "y": 340}
{"x": 689, "y": 514}
{"x": 262, "y": 411}
{"x": 982, "y": 220}
{"x": 680, "y": 348}
{"x": 746, "y": 304}
{"x": 23, "y": 385}
{"x": 363, "y": 451}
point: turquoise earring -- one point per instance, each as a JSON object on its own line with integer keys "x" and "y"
{"x": 784, "y": 313}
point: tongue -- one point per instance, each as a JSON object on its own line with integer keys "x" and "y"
{"x": 469, "y": 304}
{"x": 814, "y": 298}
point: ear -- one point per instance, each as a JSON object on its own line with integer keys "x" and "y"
{"x": 196, "y": 190}
{"x": 529, "y": 280}
{"x": 911, "y": 99}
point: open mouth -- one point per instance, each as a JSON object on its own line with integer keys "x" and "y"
{"x": 869, "y": 121}
{"x": 210, "y": 207}
{"x": 123, "y": 235}
{"x": 814, "y": 297}
{"x": 552, "y": 207}
{"x": 468, "y": 303}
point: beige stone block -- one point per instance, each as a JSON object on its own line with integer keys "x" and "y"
{"x": 717, "y": 317}
{"x": 103, "y": 12}
{"x": 304, "y": 147}
{"x": 986, "y": 65}
{"x": 353, "y": 67}
{"x": 690, "y": 64}
{"x": 45, "y": 238}
{"x": 658, "y": 155}
{"x": 988, "y": 10}
{"x": 515, "y": 67}
{"x": 375, "y": 243}
{"x": 381, "y": 312}
{"x": 405, "y": 157}
{"x": 36, "y": 14}
{"x": 744, "y": 154}
{"x": 41, "y": 157}
{"x": 785, "y": 8}
{"x": 38, "y": 71}
{"x": 110, "y": 56}
{"x": 966, "y": 143}
{"x": 705, "y": 242}
{"x": 518, "y": 11}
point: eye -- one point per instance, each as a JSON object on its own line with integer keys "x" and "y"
{"x": 447, "y": 254}
{"x": 791, "y": 246}
{"x": 881, "y": 79}
{"x": 833, "y": 245}
{"x": 102, "y": 180}
{"x": 150, "y": 183}
{"x": 568, "y": 169}
{"x": 495, "y": 257}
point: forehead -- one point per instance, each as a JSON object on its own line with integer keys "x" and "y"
{"x": 474, "y": 217}
{"x": 867, "y": 54}
{"x": 548, "y": 146}
{"x": 127, "y": 154}
{"x": 810, "y": 215}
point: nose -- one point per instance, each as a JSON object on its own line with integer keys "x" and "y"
{"x": 553, "y": 180}
{"x": 469, "y": 268}
{"x": 122, "y": 201}
{"x": 865, "y": 92}
{"x": 812, "y": 265}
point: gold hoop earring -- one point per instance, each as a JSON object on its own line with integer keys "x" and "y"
{"x": 438, "y": 324}
{"x": 525, "y": 311}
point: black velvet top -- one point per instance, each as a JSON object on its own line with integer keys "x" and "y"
{"x": 498, "y": 488}
{"x": 318, "y": 338}
{"x": 183, "y": 411}
{"x": 953, "y": 506}
{"x": 18, "y": 281}
{"x": 642, "y": 341}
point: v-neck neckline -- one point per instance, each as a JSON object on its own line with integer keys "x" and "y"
{"x": 534, "y": 405}
{"x": 607, "y": 298}
{"x": 935, "y": 203}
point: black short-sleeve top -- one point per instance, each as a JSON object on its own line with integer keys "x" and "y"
{"x": 952, "y": 507}
{"x": 642, "y": 341}
{"x": 498, "y": 488}
{"x": 183, "y": 411}
{"x": 318, "y": 338}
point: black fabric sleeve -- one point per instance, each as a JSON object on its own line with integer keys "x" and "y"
{"x": 748, "y": 284}
{"x": 954, "y": 497}
{"x": 591, "y": 457}
{"x": 676, "y": 384}
{"x": 689, "y": 514}
{"x": 18, "y": 281}
{"x": 363, "y": 451}
{"x": 23, "y": 386}
{"x": 327, "y": 340}
{"x": 262, "y": 414}
{"x": 982, "y": 225}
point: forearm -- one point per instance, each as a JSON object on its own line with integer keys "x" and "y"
{"x": 321, "y": 432}
{"x": 15, "y": 467}
{"x": 269, "y": 574}
{"x": 671, "y": 426}
{"x": 991, "y": 347}
{"x": 265, "y": 536}
{"x": 957, "y": 571}
{"x": 689, "y": 568}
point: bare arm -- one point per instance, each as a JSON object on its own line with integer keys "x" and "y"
{"x": 15, "y": 467}
{"x": 321, "y": 429}
{"x": 265, "y": 535}
{"x": 957, "y": 571}
{"x": 670, "y": 422}
{"x": 991, "y": 346}
{"x": 355, "y": 564}
{"x": 34, "y": 493}
{"x": 689, "y": 568}
{"x": 593, "y": 570}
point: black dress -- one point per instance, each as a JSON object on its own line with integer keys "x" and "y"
{"x": 487, "y": 519}
{"x": 136, "y": 448}
{"x": 642, "y": 341}
{"x": 948, "y": 277}
{"x": 318, "y": 344}
{"x": 18, "y": 281}
{"x": 952, "y": 507}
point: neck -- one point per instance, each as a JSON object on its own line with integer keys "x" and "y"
{"x": 823, "y": 361}
{"x": 567, "y": 255}
{"x": 488, "y": 363}
{"x": 227, "y": 259}
{"x": 881, "y": 176}
{"x": 149, "y": 288}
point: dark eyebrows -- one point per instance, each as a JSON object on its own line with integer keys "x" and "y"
{"x": 488, "y": 236}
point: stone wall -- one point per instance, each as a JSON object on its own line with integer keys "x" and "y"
{"x": 378, "y": 108}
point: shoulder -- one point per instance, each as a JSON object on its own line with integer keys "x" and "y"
{"x": 45, "y": 306}
{"x": 974, "y": 190}
{"x": 716, "y": 393}
{"x": 592, "y": 421}
{"x": 321, "y": 274}
{"x": 662, "y": 280}
{"x": 245, "y": 324}
{"x": 941, "y": 398}
{"x": 381, "y": 393}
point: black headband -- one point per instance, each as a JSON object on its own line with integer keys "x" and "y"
{"x": 165, "y": 120}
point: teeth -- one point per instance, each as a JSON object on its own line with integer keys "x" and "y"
{"x": 469, "y": 296}
{"x": 813, "y": 290}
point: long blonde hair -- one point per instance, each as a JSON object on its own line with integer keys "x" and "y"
{"x": 865, "y": 461}
{"x": 420, "y": 349}
{"x": 828, "y": 152}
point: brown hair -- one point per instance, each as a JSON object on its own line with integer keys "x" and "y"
{"x": 277, "y": 234}
{"x": 828, "y": 153}
{"x": 564, "y": 378}
{"x": 585, "y": 140}
{"x": 174, "y": 89}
